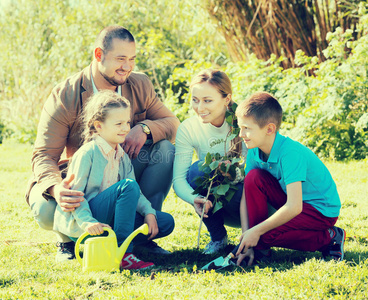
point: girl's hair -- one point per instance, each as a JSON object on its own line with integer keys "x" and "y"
{"x": 221, "y": 82}
{"x": 97, "y": 108}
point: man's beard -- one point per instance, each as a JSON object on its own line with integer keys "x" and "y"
{"x": 111, "y": 80}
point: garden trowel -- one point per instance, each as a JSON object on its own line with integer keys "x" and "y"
{"x": 221, "y": 262}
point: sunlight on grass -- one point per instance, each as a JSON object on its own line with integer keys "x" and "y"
{"x": 28, "y": 269}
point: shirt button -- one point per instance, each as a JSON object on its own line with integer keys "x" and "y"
{"x": 270, "y": 167}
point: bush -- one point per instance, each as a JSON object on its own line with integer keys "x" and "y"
{"x": 325, "y": 104}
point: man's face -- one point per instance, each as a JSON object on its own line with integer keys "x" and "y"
{"x": 117, "y": 64}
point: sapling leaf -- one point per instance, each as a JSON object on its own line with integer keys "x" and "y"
{"x": 208, "y": 159}
{"x": 233, "y": 107}
{"x": 236, "y": 159}
{"x": 232, "y": 136}
{"x": 197, "y": 190}
{"x": 214, "y": 165}
{"x": 227, "y": 168}
{"x": 232, "y": 171}
{"x": 217, "y": 206}
{"x": 230, "y": 194}
{"x": 217, "y": 156}
{"x": 222, "y": 189}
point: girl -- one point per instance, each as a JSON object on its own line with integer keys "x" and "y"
{"x": 103, "y": 172}
{"x": 206, "y": 132}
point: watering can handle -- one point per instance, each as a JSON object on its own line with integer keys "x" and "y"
{"x": 81, "y": 238}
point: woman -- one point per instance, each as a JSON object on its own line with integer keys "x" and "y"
{"x": 206, "y": 132}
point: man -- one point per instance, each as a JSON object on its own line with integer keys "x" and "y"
{"x": 58, "y": 136}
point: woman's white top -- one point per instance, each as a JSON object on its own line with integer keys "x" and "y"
{"x": 203, "y": 138}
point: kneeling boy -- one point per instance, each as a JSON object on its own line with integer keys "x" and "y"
{"x": 291, "y": 178}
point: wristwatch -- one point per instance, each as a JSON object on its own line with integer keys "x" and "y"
{"x": 145, "y": 128}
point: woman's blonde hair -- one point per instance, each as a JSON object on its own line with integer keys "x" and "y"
{"x": 97, "y": 108}
{"x": 219, "y": 80}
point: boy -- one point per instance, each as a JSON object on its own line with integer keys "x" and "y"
{"x": 291, "y": 178}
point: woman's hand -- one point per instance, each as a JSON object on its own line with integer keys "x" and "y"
{"x": 201, "y": 203}
{"x": 96, "y": 228}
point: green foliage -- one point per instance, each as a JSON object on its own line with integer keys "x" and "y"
{"x": 325, "y": 104}
{"x": 42, "y": 46}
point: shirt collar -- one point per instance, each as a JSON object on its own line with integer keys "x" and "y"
{"x": 279, "y": 139}
{"x": 95, "y": 90}
{"x": 273, "y": 158}
{"x": 106, "y": 148}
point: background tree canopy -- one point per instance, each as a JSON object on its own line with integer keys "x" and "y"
{"x": 262, "y": 45}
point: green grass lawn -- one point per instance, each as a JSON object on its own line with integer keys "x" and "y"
{"x": 28, "y": 269}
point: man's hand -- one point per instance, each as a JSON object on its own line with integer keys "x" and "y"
{"x": 151, "y": 221}
{"x": 67, "y": 199}
{"x": 96, "y": 228}
{"x": 134, "y": 141}
{"x": 248, "y": 239}
{"x": 200, "y": 203}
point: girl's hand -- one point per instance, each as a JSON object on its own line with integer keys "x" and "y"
{"x": 151, "y": 221}
{"x": 200, "y": 203}
{"x": 96, "y": 228}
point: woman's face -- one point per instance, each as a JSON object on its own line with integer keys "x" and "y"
{"x": 209, "y": 104}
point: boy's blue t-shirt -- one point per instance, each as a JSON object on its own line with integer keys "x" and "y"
{"x": 289, "y": 162}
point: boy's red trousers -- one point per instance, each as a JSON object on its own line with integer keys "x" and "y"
{"x": 308, "y": 231}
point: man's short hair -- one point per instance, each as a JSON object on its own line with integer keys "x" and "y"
{"x": 106, "y": 36}
{"x": 263, "y": 108}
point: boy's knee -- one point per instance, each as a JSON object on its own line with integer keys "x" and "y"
{"x": 269, "y": 238}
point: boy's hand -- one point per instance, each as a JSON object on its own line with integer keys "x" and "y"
{"x": 67, "y": 199}
{"x": 200, "y": 203}
{"x": 249, "y": 253}
{"x": 248, "y": 239}
{"x": 151, "y": 221}
{"x": 96, "y": 228}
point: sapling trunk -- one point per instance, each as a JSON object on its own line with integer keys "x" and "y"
{"x": 204, "y": 206}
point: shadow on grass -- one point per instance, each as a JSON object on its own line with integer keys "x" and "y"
{"x": 193, "y": 260}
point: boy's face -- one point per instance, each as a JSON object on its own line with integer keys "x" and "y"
{"x": 251, "y": 133}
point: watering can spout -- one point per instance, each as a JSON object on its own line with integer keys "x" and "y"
{"x": 124, "y": 246}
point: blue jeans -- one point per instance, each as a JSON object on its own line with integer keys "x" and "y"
{"x": 229, "y": 214}
{"x": 153, "y": 169}
{"x": 117, "y": 206}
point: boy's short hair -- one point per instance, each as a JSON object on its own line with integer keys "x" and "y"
{"x": 263, "y": 108}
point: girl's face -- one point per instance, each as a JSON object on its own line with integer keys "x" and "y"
{"x": 116, "y": 126}
{"x": 209, "y": 104}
